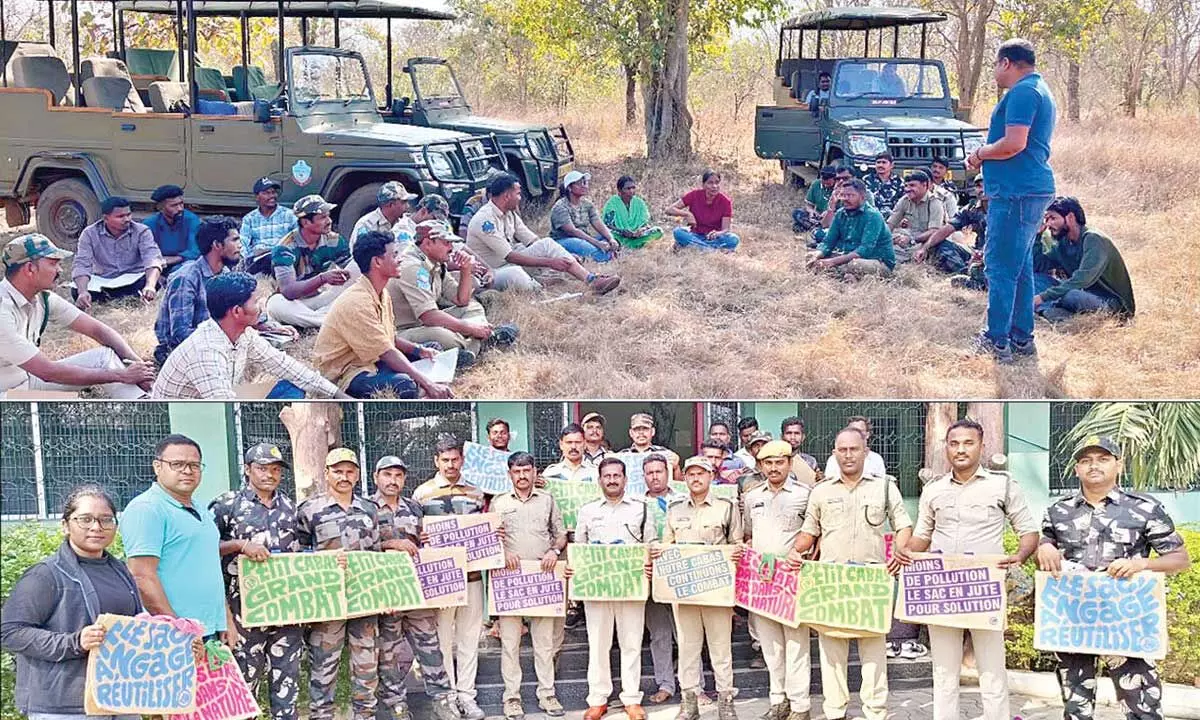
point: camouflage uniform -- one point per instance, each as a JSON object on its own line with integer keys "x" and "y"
{"x": 1124, "y": 525}
{"x": 415, "y": 631}
{"x": 241, "y": 515}
{"x": 326, "y": 525}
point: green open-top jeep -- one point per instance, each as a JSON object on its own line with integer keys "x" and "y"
{"x": 874, "y": 104}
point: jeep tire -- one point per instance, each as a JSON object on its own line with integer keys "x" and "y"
{"x": 64, "y": 209}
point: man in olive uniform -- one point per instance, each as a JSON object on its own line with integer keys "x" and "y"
{"x": 434, "y": 305}
{"x": 533, "y": 530}
{"x": 773, "y": 513}
{"x": 413, "y": 632}
{"x": 850, "y": 514}
{"x": 572, "y": 466}
{"x": 337, "y": 519}
{"x": 1107, "y": 529}
{"x": 702, "y": 519}
{"x": 256, "y": 521}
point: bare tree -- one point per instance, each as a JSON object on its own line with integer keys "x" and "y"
{"x": 314, "y": 428}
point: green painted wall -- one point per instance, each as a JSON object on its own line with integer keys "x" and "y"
{"x": 211, "y": 425}
{"x": 514, "y": 413}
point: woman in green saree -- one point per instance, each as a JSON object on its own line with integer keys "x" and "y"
{"x": 628, "y": 216}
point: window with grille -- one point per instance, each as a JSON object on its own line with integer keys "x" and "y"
{"x": 1064, "y": 416}
{"x": 545, "y": 421}
{"x": 897, "y": 434}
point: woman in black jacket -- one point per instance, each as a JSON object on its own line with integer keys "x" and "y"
{"x": 49, "y": 621}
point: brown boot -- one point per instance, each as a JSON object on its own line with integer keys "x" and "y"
{"x": 604, "y": 284}
{"x": 725, "y": 709}
{"x": 689, "y": 709}
{"x": 778, "y": 711}
{"x": 595, "y": 712}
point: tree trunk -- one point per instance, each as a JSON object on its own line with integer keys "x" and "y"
{"x": 314, "y": 428}
{"x": 630, "y": 94}
{"x": 668, "y": 122}
{"x": 991, "y": 416}
{"x": 939, "y": 416}
{"x": 971, "y": 43}
{"x": 1073, "y": 90}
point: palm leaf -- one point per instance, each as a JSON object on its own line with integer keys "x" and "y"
{"x": 1159, "y": 441}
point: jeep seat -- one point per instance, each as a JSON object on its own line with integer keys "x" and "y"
{"x": 47, "y": 72}
{"x": 147, "y": 61}
{"x": 98, "y": 67}
{"x": 251, "y": 84}
{"x": 211, "y": 84}
{"x": 165, "y": 95}
{"x": 114, "y": 93}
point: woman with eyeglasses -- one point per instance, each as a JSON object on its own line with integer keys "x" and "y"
{"x": 50, "y": 617}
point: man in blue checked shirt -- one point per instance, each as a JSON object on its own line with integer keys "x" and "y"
{"x": 265, "y": 226}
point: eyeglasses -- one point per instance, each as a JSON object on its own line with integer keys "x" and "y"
{"x": 181, "y": 465}
{"x": 107, "y": 522}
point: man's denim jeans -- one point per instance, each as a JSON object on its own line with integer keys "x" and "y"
{"x": 1008, "y": 266}
{"x": 584, "y": 249}
{"x": 724, "y": 241}
{"x": 1074, "y": 302}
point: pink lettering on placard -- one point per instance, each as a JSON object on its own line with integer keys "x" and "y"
{"x": 766, "y": 586}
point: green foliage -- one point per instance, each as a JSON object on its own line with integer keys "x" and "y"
{"x": 1183, "y": 617}
{"x": 1160, "y": 441}
{"x": 1069, "y": 25}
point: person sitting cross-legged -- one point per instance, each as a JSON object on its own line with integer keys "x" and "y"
{"x": 499, "y": 236}
{"x": 917, "y": 215}
{"x": 816, "y": 201}
{"x": 116, "y": 247}
{"x": 1096, "y": 277}
{"x": 434, "y": 304}
{"x": 225, "y": 352}
{"x": 575, "y": 224}
{"x": 628, "y": 216}
{"x": 708, "y": 213}
{"x": 312, "y": 266}
{"x": 858, "y": 242}
{"x": 357, "y": 345}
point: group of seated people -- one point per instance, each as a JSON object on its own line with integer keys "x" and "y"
{"x": 865, "y": 227}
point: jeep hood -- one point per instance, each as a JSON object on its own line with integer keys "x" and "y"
{"x": 906, "y": 123}
{"x": 376, "y": 133}
{"x": 479, "y": 125}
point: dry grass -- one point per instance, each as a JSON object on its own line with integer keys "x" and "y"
{"x": 755, "y": 325}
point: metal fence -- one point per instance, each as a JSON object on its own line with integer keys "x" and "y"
{"x": 897, "y": 434}
{"x": 545, "y": 421}
{"x": 1064, "y": 416}
{"x": 49, "y": 448}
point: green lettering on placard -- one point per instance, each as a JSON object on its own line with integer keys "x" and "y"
{"x": 376, "y": 582}
{"x": 291, "y": 589}
{"x": 572, "y": 495}
{"x": 847, "y": 597}
{"x": 608, "y": 572}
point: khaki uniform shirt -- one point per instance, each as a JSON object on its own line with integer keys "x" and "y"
{"x": 851, "y": 522}
{"x": 626, "y": 521}
{"x": 563, "y": 470}
{"x": 493, "y": 234}
{"x": 712, "y": 521}
{"x": 358, "y": 330}
{"x": 772, "y": 519}
{"x": 969, "y": 517}
{"x": 531, "y": 525}
{"x": 21, "y": 324}
{"x": 423, "y": 285}
{"x": 948, "y": 197}
{"x": 928, "y": 213}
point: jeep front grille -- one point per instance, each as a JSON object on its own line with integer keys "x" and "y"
{"x": 476, "y": 159}
{"x": 545, "y": 147}
{"x": 923, "y": 148}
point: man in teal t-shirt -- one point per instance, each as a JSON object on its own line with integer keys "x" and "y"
{"x": 858, "y": 241}
{"x": 816, "y": 201}
{"x": 1019, "y": 183}
{"x": 173, "y": 545}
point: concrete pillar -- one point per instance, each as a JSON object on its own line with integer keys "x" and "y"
{"x": 514, "y": 413}
{"x": 210, "y": 425}
{"x": 1027, "y": 431}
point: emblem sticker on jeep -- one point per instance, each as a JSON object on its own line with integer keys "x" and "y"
{"x": 301, "y": 173}
{"x": 883, "y": 102}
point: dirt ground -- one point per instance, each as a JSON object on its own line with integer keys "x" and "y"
{"x": 755, "y": 324}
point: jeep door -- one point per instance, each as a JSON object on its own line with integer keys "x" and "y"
{"x": 149, "y": 149}
{"x": 229, "y": 152}
{"x": 787, "y": 133}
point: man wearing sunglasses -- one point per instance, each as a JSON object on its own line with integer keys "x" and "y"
{"x": 173, "y": 544}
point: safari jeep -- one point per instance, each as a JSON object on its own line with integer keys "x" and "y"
{"x": 538, "y": 155}
{"x": 875, "y": 104}
{"x": 322, "y": 134}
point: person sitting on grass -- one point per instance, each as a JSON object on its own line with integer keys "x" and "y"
{"x": 576, "y": 225}
{"x": 916, "y": 216}
{"x": 949, "y": 256}
{"x": 816, "y": 201}
{"x": 708, "y": 214}
{"x": 174, "y": 227}
{"x": 113, "y": 247}
{"x": 499, "y": 236}
{"x": 942, "y": 186}
{"x": 858, "y": 241}
{"x": 1096, "y": 277}
{"x": 312, "y": 266}
{"x": 842, "y": 175}
{"x": 358, "y": 346}
{"x": 628, "y": 216}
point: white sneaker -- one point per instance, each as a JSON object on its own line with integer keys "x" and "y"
{"x": 470, "y": 710}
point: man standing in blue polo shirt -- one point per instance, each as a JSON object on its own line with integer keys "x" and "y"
{"x": 173, "y": 545}
{"x": 1019, "y": 184}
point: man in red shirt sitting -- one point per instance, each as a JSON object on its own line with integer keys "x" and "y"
{"x": 708, "y": 213}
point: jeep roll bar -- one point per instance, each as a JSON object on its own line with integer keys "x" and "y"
{"x": 865, "y": 19}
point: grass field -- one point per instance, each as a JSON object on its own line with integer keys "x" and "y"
{"x": 755, "y": 324}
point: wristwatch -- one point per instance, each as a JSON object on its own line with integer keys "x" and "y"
{"x": 557, "y": 551}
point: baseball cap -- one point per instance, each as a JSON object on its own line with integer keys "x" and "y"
{"x": 435, "y": 205}
{"x": 436, "y": 227}
{"x": 390, "y": 461}
{"x": 641, "y": 420}
{"x": 774, "y": 448}
{"x": 312, "y": 205}
{"x": 1103, "y": 442}
{"x": 592, "y": 416}
{"x": 392, "y": 190}
{"x": 265, "y": 183}
{"x": 338, "y": 455}
{"x": 575, "y": 176}
{"x": 758, "y": 437}
{"x": 265, "y": 453}
{"x": 30, "y": 247}
{"x": 700, "y": 462}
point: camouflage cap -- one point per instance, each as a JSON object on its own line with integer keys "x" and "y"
{"x": 641, "y": 420}
{"x": 436, "y": 229}
{"x": 392, "y": 190}
{"x": 774, "y": 448}
{"x": 390, "y": 461}
{"x": 759, "y": 437}
{"x": 1103, "y": 442}
{"x": 700, "y": 462}
{"x": 592, "y": 416}
{"x": 265, "y": 453}
{"x": 30, "y": 247}
{"x": 341, "y": 454}
{"x": 435, "y": 205}
{"x": 312, "y": 205}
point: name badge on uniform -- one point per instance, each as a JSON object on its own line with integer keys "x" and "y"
{"x": 424, "y": 281}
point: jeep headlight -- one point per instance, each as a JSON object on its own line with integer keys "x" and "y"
{"x": 869, "y": 145}
{"x": 440, "y": 165}
{"x": 971, "y": 143}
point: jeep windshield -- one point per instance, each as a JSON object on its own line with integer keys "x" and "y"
{"x": 329, "y": 81}
{"x": 436, "y": 86}
{"x": 891, "y": 79}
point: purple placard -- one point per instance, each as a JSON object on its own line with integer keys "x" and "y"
{"x": 931, "y": 589}
{"x": 514, "y": 590}
{"x": 479, "y": 540}
{"x": 440, "y": 578}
